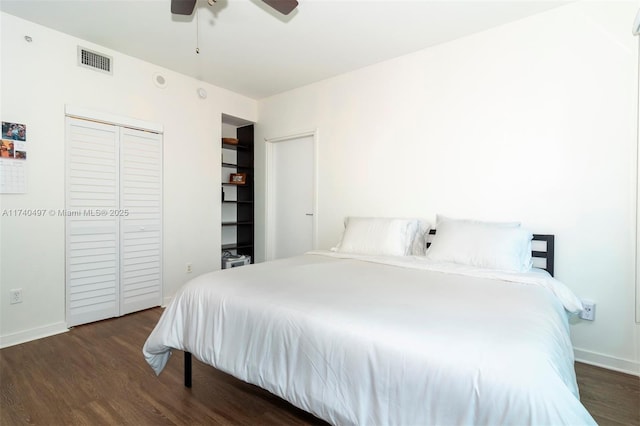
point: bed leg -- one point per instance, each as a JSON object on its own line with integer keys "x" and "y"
{"x": 187, "y": 369}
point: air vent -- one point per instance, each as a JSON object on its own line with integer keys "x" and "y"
{"x": 94, "y": 60}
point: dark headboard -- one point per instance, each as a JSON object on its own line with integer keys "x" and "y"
{"x": 542, "y": 248}
{"x": 547, "y": 253}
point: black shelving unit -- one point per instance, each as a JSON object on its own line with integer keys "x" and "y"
{"x": 244, "y": 222}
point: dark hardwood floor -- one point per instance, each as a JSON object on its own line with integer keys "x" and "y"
{"x": 96, "y": 375}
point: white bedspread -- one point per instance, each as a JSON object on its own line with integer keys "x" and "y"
{"x": 376, "y": 341}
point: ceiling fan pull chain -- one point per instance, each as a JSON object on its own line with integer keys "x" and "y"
{"x": 197, "y": 32}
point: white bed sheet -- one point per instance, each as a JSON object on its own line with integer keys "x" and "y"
{"x": 376, "y": 341}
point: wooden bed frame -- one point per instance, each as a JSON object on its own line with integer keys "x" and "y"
{"x": 546, "y": 254}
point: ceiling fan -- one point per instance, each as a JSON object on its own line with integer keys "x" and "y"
{"x": 185, "y": 7}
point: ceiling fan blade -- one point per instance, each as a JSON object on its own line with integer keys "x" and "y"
{"x": 182, "y": 7}
{"x": 283, "y": 6}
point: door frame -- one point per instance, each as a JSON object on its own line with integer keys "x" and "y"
{"x": 270, "y": 185}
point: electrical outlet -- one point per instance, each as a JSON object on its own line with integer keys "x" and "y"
{"x": 15, "y": 295}
{"x": 589, "y": 311}
{"x": 189, "y": 268}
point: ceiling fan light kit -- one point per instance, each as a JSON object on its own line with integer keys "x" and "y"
{"x": 185, "y": 7}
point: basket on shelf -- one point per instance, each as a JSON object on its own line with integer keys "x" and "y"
{"x": 230, "y": 141}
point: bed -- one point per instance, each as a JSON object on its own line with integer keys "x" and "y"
{"x": 384, "y": 330}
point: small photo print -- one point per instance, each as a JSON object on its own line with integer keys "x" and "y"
{"x": 7, "y": 149}
{"x": 14, "y": 131}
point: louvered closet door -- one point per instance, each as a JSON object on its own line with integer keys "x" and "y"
{"x": 141, "y": 226}
{"x": 92, "y": 259}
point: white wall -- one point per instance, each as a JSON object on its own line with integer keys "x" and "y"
{"x": 38, "y": 79}
{"x": 532, "y": 121}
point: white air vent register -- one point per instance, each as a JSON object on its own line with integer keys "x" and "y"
{"x": 94, "y": 60}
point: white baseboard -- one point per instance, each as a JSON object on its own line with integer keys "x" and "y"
{"x": 605, "y": 361}
{"x": 32, "y": 334}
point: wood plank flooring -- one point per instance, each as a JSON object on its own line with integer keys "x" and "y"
{"x": 96, "y": 375}
{"x": 611, "y": 397}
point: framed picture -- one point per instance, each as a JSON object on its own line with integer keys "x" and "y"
{"x": 238, "y": 178}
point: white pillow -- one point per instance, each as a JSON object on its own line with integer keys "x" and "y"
{"x": 419, "y": 245}
{"x": 491, "y": 245}
{"x": 378, "y": 236}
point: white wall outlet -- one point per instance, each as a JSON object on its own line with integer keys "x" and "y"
{"x": 15, "y": 295}
{"x": 589, "y": 311}
{"x": 189, "y": 268}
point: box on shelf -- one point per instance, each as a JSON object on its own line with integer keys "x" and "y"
{"x": 234, "y": 261}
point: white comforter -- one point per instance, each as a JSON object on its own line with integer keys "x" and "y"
{"x": 377, "y": 341}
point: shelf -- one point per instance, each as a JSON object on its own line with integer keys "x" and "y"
{"x": 235, "y": 166}
{"x": 238, "y": 210}
{"x": 234, "y": 246}
{"x": 238, "y": 147}
{"x": 244, "y": 222}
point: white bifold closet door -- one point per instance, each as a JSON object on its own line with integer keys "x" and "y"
{"x": 141, "y": 226}
{"x": 113, "y": 220}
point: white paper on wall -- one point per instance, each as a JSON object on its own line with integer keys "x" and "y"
{"x": 13, "y": 176}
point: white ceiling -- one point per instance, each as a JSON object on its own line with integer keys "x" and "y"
{"x": 250, "y": 49}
